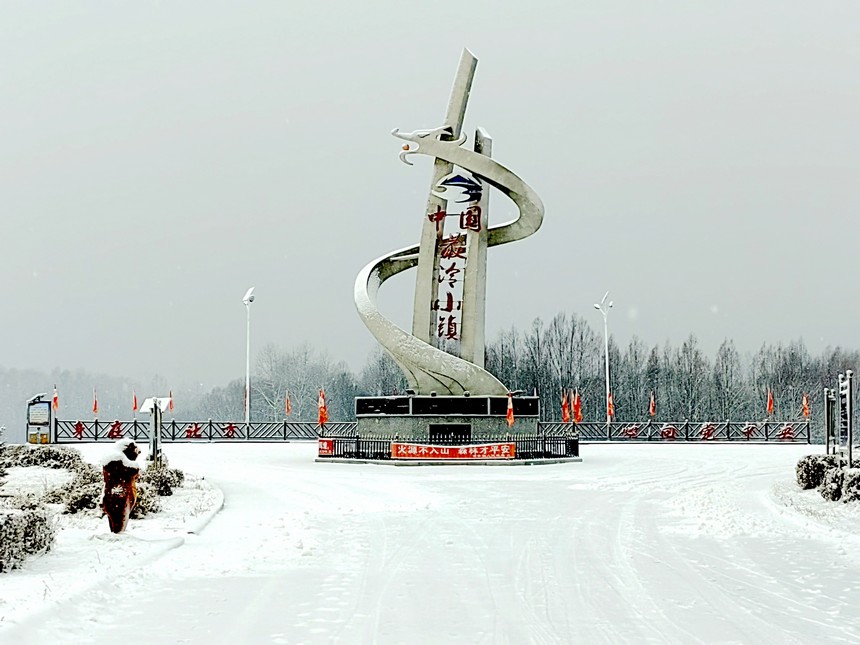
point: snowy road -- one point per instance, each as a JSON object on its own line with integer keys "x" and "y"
{"x": 647, "y": 543}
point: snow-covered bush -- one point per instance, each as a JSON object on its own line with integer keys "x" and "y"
{"x": 83, "y": 497}
{"x": 162, "y": 478}
{"x": 82, "y": 493}
{"x": 851, "y": 485}
{"x": 24, "y": 533}
{"x": 147, "y": 501}
{"x": 810, "y": 470}
{"x": 831, "y": 486}
{"x": 45, "y": 456}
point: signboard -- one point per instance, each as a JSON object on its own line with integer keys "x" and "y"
{"x": 465, "y": 453}
{"x": 39, "y": 414}
{"x": 326, "y": 447}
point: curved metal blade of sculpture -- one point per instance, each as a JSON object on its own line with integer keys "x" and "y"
{"x": 426, "y": 367}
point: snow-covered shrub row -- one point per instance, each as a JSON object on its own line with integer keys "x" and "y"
{"x": 45, "y": 456}
{"x": 810, "y": 470}
{"x": 162, "y": 478}
{"x": 841, "y": 483}
{"x": 147, "y": 501}
{"x": 851, "y": 485}
{"x": 82, "y": 493}
{"x": 23, "y": 533}
{"x": 831, "y": 486}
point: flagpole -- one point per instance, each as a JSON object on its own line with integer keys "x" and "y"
{"x": 603, "y": 308}
{"x": 248, "y": 299}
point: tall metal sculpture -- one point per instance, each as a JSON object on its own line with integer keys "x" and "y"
{"x": 444, "y": 353}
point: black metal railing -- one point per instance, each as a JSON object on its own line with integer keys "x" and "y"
{"x": 191, "y": 431}
{"x": 696, "y": 431}
{"x": 267, "y": 431}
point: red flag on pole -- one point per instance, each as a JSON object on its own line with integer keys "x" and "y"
{"x": 577, "y": 408}
{"x": 565, "y": 409}
{"x": 652, "y": 406}
{"x": 323, "y": 410}
{"x": 170, "y": 400}
{"x": 95, "y": 403}
{"x": 805, "y": 405}
{"x": 610, "y": 407}
{"x": 55, "y": 400}
{"x": 769, "y": 402}
{"x": 510, "y": 415}
{"x": 287, "y": 405}
{"x": 133, "y": 400}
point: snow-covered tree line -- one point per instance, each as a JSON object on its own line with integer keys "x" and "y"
{"x": 567, "y": 353}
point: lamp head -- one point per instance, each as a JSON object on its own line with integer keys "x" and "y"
{"x": 596, "y": 306}
{"x": 248, "y": 298}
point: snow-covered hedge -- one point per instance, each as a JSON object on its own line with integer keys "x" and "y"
{"x": 24, "y": 532}
{"x": 147, "y": 501}
{"x": 45, "y": 456}
{"x": 831, "y": 486}
{"x": 851, "y": 485}
{"x": 162, "y": 478}
{"x": 810, "y": 470}
{"x": 84, "y": 493}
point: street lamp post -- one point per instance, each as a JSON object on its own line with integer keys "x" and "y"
{"x": 248, "y": 299}
{"x": 604, "y": 308}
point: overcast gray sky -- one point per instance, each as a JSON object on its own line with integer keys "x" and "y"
{"x": 699, "y": 160}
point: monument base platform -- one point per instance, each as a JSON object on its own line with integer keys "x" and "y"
{"x": 423, "y": 430}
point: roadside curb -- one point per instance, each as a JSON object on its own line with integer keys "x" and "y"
{"x": 207, "y": 517}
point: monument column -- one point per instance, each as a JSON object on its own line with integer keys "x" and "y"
{"x": 475, "y": 276}
{"x": 426, "y": 283}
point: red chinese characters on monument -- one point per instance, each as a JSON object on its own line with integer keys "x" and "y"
{"x": 79, "y": 430}
{"x": 450, "y": 303}
{"x": 505, "y": 450}
{"x": 449, "y": 274}
{"x": 193, "y": 431}
{"x": 470, "y": 219}
{"x": 437, "y": 217}
{"x": 452, "y": 255}
{"x": 453, "y": 247}
{"x": 230, "y": 431}
{"x": 448, "y": 328}
{"x": 669, "y": 432}
{"x": 708, "y": 432}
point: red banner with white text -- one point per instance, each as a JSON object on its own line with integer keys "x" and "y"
{"x": 326, "y": 447}
{"x": 482, "y": 451}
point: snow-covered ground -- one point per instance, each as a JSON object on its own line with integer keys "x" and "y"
{"x": 638, "y": 543}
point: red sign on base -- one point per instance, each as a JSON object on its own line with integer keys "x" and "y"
{"x": 326, "y": 447}
{"x": 482, "y": 451}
